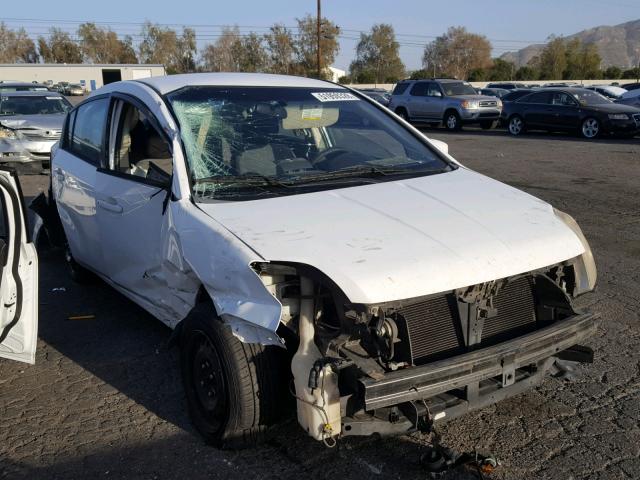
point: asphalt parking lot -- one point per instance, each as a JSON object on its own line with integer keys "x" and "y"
{"x": 104, "y": 399}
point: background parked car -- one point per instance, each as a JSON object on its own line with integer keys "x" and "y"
{"x": 493, "y": 92}
{"x": 30, "y": 124}
{"x": 631, "y": 86}
{"x": 381, "y": 96}
{"x": 631, "y": 97}
{"x": 452, "y": 102}
{"x": 570, "y": 109}
{"x": 75, "y": 89}
{"x": 608, "y": 91}
{"x": 22, "y": 87}
{"x": 515, "y": 94}
{"x": 506, "y": 85}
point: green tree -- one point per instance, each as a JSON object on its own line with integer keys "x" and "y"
{"x": 501, "y": 70}
{"x": 583, "y": 60}
{"x": 632, "y": 73}
{"x": 477, "y": 75}
{"x": 59, "y": 48}
{"x": 219, "y": 56}
{"x": 457, "y": 53}
{"x": 552, "y": 61}
{"x": 281, "y": 48}
{"x": 250, "y": 54}
{"x": 101, "y": 45}
{"x": 613, "y": 73}
{"x": 307, "y": 46}
{"x": 163, "y": 45}
{"x": 419, "y": 74}
{"x": 378, "y": 56}
{"x": 16, "y": 46}
{"x": 527, "y": 72}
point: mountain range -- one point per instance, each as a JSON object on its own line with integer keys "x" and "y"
{"x": 619, "y": 45}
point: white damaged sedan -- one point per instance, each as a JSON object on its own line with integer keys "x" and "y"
{"x": 290, "y": 228}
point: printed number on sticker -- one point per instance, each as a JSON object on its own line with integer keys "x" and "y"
{"x": 334, "y": 96}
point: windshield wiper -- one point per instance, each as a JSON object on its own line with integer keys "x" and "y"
{"x": 363, "y": 171}
{"x": 247, "y": 180}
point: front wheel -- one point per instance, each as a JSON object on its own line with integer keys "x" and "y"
{"x": 452, "y": 121}
{"x": 402, "y": 113}
{"x": 590, "y": 128}
{"x": 234, "y": 390}
{"x": 516, "y": 125}
{"x": 78, "y": 273}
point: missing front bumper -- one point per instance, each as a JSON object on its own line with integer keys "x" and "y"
{"x": 504, "y": 360}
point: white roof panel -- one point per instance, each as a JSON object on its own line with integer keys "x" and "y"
{"x": 169, "y": 83}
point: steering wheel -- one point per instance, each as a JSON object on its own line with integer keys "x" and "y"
{"x": 327, "y": 156}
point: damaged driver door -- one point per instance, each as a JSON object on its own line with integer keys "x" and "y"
{"x": 131, "y": 202}
{"x": 19, "y": 284}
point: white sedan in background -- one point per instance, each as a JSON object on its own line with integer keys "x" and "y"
{"x": 289, "y": 227}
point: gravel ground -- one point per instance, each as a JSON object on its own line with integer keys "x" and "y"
{"x": 104, "y": 399}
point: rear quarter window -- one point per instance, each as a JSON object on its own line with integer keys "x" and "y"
{"x": 400, "y": 88}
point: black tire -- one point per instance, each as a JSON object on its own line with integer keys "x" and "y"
{"x": 235, "y": 391}
{"x": 78, "y": 273}
{"x": 486, "y": 125}
{"x": 452, "y": 121}
{"x": 402, "y": 113}
{"x": 516, "y": 125}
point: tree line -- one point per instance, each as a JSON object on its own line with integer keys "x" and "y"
{"x": 457, "y": 53}
{"x": 281, "y": 50}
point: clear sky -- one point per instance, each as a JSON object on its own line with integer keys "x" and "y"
{"x": 509, "y": 24}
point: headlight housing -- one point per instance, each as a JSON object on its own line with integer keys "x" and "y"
{"x": 618, "y": 116}
{"x": 470, "y": 104}
{"x": 7, "y": 133}
{"x": 499, "y": 103}
{"x": 585, "y": 266}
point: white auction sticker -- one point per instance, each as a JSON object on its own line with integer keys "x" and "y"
{"x": 334, "y": 96}
{"x": 312, "y": 113}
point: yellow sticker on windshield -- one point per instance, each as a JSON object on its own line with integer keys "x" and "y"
{"x": 312, "y": 113}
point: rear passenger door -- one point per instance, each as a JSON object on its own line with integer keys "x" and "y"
{"x": 417, "y": 101}
{"x": 132, "y": 192}
{"x": 73, "y": 179}
{"x": 537, "y": 110}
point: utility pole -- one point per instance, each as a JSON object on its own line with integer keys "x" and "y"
{"x": 319, "y": 36}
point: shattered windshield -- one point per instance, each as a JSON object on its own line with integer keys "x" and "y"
{"x": 256, "y": 141}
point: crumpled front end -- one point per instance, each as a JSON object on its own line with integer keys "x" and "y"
{"x": 394, "y": 367}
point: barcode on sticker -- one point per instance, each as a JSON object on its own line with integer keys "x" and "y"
{"x": 334, "y": 96}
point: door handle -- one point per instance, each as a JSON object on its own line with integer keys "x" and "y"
{"x": 111, "y": 205}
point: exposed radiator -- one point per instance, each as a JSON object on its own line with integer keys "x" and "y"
{"x": 435, "y": 331}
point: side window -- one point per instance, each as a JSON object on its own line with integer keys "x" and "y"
{"x": 419, "y": 89}
{"x": 140, "y": 150}
{"x": 87, "y": 134}
{"x": 433, "y": 90}
{"x": 538, "y": 98}
{"x": 400, "y": 88}
{"x": 563, "y": 99}
{"x": 68, "y": 130}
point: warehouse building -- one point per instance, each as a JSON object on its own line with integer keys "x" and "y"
{"x": 91, "y": 76}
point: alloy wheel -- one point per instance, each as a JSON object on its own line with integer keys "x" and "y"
{"x": 590, "y": 128}
{"x": 515, "y": 126}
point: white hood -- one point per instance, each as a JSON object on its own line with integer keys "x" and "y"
{"x": 408, "y": 238}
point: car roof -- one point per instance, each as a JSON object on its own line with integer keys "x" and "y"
{"x": 170, "y": 83}
{"x": 21, "y": 84}
{"x": 32, "y": 94}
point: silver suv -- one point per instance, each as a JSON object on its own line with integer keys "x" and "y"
{"x": 451, "y": 102}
